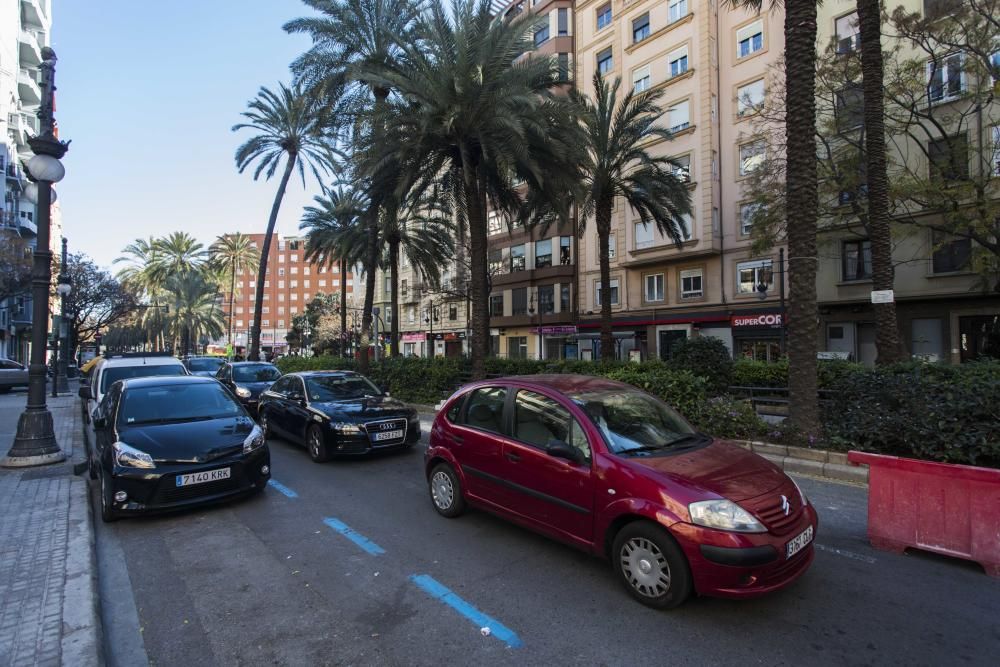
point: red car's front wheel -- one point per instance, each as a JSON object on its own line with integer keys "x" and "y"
{"x": 651, "y": 565}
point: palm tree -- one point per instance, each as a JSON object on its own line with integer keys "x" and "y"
{"x": 140, "y": 274}
{"x": 618, "y": 165}
{"x": 232, "y": 254}
{"x": 336, "y": 234}
{"x": 350, "y": 38}
{"x": 177, "y": 253}
{"x": 802, "y": 204}
{"x": 290, "y": 124}
{"x": 477, "y": 130}
{"x": 887, "y": 341}
{"x": 194, "y": 308}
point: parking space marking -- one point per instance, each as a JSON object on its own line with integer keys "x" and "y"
{"x": 354, "y": 536}
{"x": 846, "y": 554}
{"x": 282, "y": 489}
{"x": 439, "y": 591}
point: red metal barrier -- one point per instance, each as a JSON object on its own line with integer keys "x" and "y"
{"x": 940, "y": 507}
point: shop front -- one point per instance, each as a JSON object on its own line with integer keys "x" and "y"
{"x": 414, "y": 343}
{"x": 758, "y": 336}
{"x": 447, "y": 343}
{"x": 558, "y": 341}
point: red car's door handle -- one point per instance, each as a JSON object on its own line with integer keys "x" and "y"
{"x": 513, "y": 456}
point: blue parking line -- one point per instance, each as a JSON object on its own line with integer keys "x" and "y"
{"x": 281, "y": 488}
{"x": 441, "y": 592}
{"x": 354, "y": 536}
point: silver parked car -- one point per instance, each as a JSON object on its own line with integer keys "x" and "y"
{"x": 12, "y": 374}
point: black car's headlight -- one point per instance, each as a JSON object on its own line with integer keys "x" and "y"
{"x": 253, "y": 441}
{"x": 129, "y": 457}
{"x": 243, "y": 392}
{"x": 344, "y": 428}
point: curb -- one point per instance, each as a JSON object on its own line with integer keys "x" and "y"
{"x": 814, "y": 462}
{"x": 81, "y": 635}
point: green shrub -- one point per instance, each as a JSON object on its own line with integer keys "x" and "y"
{"x": 705, "y": 356}
{"x": 749, "y": 373}
{"x": 728, "y": 417}
{"x": 682, "y": 390}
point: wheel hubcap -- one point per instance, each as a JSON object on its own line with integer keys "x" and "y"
{"x": 442, "y": 490}
{"x": 314, "y": 443}
{"x": 645, "y": 567}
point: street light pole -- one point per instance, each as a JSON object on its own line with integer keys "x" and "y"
{"x": 65, "y": 288}
{"x": 35, "y": 442}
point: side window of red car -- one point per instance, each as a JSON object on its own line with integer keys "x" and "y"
{"x": 484, "y": 409}
{"x": 455, "y": 409}
{"x": 539, "y": 419}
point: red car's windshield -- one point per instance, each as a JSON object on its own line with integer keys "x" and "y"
{"x": 631, "y": 421}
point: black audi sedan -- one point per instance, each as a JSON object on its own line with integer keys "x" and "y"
{"x": 336, "y": 413}
{"x": 170, "y": 442}
{"x": 247, "y": 379}
{"x": 204, "y": 366}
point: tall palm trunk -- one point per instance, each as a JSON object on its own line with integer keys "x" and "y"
{"x": 603, "y": 214}
{"x": 343, "y": 308}
{"x": 394, "y": 303}
{"x": 802, "y": 202}
{"x": 254, "y": 353}
{"x": 476, "y": 206}
{"x": 232, "y": 300}
{"x": 887, "y": 341}
{"x": 371, "y": 253}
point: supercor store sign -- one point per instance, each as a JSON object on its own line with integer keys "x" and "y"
{"x": 767, "y": 320}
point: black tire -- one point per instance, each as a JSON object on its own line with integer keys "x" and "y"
{"x": 107, "y": 513}
{"x": 92, "y": 466}
{"x": 316, "y": 444}
{"x": 446, "y": 491}
{"x": 651, "y": 565}
{"x": 265, "y": 427}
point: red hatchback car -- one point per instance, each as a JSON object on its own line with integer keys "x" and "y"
{"x": 612, "y": 470}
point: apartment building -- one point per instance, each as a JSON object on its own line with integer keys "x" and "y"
{"x": 289, "y": 285}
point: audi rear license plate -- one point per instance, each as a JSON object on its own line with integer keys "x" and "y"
{"x": 202, "y": 477}
{"x": 799, "y": 542}
{"x": 388, "y": 435}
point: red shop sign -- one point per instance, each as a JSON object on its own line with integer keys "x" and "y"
{"x": 771, "y": 320}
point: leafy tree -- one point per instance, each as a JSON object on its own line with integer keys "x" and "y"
{"x": 232, "y": 255}
{"x": 320, "y": 320}
{"x": 618, "y": 165}
{"x": 194, "y": 309}
{"x": 15, "y": 264}
{"x": 289, "y": 125}
{"x": 98, "y": 300}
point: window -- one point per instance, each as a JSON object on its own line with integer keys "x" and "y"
{"x": 604, "y": 16}
{"x": 747, "y": 213}
{"x": 996, "y": 148}
{"x": 542, "y": 35}
{"x": 680, "y": 116}
{"x": 949, "y": 159}
{"x": 281, "y": 271}
{"x": 848, "y": 33}
{"x": 452, "y": 312}
{"x": 387, "y": 285}
{"x": 926, "y": 338}
{"x": 496, "y": 305}
{"x": 546, "y": 299}
{"x": 678, "y": 9}
{"x": 295, "y": 270}
{"x": 849, "y": 108}
{"x": 539, "y": 420}
{"x": 294, "y": 283}
{"x": 493, "y": 223}
{"x": 612, "y": 246}
{"x": 562, "y": 21}
{"x": 681, "y": 167}
{"x": 484, "y": 409}
{"x": 654, "y": 287}
{"x": 543, "y": 253}
{"x": 265, "y": 310}
{"x": 995, "y": 67}
{"x": 751, "y": 156}
{"x": 564, "y": 296}
{"x": 563, "y": 63}
{"x": 305, "y": 283}
{"x": 614, "y": 293}
{"x": 750, "y": 275}
{"x": 645, "y": 237}
{"x": 856, "y": 260}
{"x": 565, "y": 250}
{"x": 945, "y": 78}
{"x": 519, "y": 301}
{"x": 750, "y": 39}
{"x": 305, "y": 271}
{"x": 640, "y": 79}
{"x": 692, "y": 284}
{"x": 281, "y": 258}
{"x": 293, "y": 258}
{"x": 678, "y": 62}
{"x": 605, "y": 62}
{"x": 640, "y": 28}
{"x": 281, "y": 323}
{"x": 950, "y": 254}
{"x": 750, "y": 98}
{"x": 496, "y": 261}
{"x": 517, "y": 258}
{"x": 686, "y": 227}
{"x": 281, "y": 284}
{"x": 517, "y": 347}
{"x": 266, "y": 323}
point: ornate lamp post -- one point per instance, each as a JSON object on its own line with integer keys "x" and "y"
{"x": 65, "y": 288}
{"x": 35, "y": 442}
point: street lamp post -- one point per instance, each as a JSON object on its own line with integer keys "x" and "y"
{"x": 35, "y": 442}
{"x": 430, "y": 318}
{"x": 65, "y": 288}
{"x": 766, "y": 277}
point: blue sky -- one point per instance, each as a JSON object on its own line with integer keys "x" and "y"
{"x": 148, "y": 92}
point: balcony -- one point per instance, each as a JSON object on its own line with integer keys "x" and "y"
{"x": 34, "y": 13}
{"x": 28, "y": 88}
{"x": 31, "y": 52}
{"x": 28, "y": 226}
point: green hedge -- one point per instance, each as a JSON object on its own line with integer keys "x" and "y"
{"x": 748, "y": 373}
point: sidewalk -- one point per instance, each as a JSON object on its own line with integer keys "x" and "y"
{"x": 48, "y": 593}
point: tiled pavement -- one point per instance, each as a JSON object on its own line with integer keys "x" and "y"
{"x": 48, "y": 603}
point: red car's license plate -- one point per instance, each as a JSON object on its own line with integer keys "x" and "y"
{"x": 799, "y": 542}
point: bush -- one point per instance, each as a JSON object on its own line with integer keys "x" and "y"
{"x": 728, "y": 417}
{"x": 705, "y": 356}
{"x": 749, "y": 373}
{"x": 683, "y": 390}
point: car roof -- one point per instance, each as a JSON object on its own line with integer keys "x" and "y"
{"x": 566, "y": 383}
{"x": 116, "y": 362}
{"x": 165, "y": 380}
{"x": 323, "y": 373}
{"x": 252, "y": 363}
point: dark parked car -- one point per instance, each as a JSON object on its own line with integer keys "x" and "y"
{"x": 247, "y": 379}
{"x": 12, "y": 374}
{"x": 612, "y": 470}
{"x": 336, "y": 412}
{"x": 166, "y": 443}
{"x": 204, "y": 366}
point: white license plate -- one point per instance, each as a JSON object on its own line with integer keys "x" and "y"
{"x": 388, "y": 435}
{"x": 799, "y": 542}
{"x": 202, "y": 477}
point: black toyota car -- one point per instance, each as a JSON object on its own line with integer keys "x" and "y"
{"x": 170, "y": 442}
{"x": 336, "y": 413}
{"x": 247, "y": 379}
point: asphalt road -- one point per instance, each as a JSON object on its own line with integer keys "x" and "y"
{"x": 275, "y": 580}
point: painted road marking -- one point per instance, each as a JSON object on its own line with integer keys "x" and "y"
{"x": 846, "y": 554}
{"x": 281, "y": 488}
{"x": 441, "y": 592}
{"x": 354, "y": 536}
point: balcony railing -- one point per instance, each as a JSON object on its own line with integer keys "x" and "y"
{"x": 28, "y": 87}
{"x": 30, "y": 49}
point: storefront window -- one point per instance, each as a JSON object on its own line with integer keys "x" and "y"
{"x": 760, "y": 350}
{"x": 546, "y": 299}
{"x": 517, "y": 347}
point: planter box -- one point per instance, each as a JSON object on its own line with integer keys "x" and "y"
{"x": 940, "y": 507}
